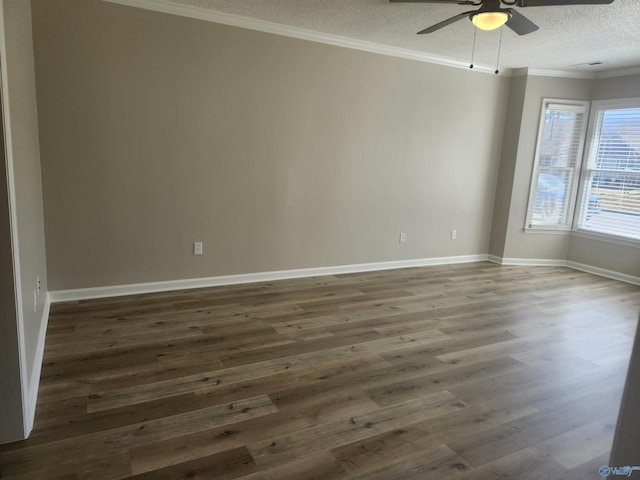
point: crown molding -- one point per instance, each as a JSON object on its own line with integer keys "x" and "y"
{"x": 208, "y": 15}
{"x": 622, "y": 72}
{"x": 537, "y": 72}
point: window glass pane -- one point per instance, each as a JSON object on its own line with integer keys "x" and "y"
{"x": 557, "y": 148}
{"x": 611, "y": 199}
{"x": 549, "y": 205}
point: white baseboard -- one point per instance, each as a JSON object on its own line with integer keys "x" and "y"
{"x": 623, "y": 277}
{"x": 191, "y": 283}
{"x": 138, "y": 288}
{"x": 494, "y": 259}
{"x": 34, "y": 381}
{"x": 602, "y": 272}
{"x": 536, "y": 262}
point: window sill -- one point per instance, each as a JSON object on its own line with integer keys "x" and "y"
{"x": 547, "y": 231}
{"x": 601, "y": 237}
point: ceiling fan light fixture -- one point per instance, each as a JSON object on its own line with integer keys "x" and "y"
{"x": 489, "y": 20}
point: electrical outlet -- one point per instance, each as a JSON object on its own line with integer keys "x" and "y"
{"x": 38, "y": 285}
{"x": 197, "y": 248}
{"x": 403, "y": 237}
{"x": 454, "y": 234}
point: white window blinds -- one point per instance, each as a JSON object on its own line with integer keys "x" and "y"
{"x": 610, "y": 200}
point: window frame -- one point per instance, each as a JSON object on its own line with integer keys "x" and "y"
{"x": 591, "y": 146}
{"x": 571, "y": 197}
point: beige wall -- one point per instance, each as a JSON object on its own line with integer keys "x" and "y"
{"x": 605, "y": 254}
{"x": 616, "y": 87}
{"x": 504, "y": 189}
{"x": 536, "y": 246}
{"x": 158, "y": 131}
{"x": 590, "y": 251}
{"x": 26, "y": 219}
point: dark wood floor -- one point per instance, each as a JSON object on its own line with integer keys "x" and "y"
{"x": 471, "y": 371}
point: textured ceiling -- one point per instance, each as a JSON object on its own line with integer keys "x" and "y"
{"x": 568, "y": 35}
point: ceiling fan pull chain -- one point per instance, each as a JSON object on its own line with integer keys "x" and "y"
{"x": 473, "y": 49}
{"x": 499, "y": 48}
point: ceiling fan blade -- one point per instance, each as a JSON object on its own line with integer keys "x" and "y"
{"x": 446, "y": 22}
{"x": 520, "y": 24}
{"x": 548, "y": 3}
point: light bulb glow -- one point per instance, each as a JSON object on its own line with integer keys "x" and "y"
{"x": 490, "y": 20}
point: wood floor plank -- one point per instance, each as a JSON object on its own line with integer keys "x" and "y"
{"x": 436, "y": 462}
{"x": 497, "y": 350}
{"x": 335, "y": 434}
{"x": 580, "y": 445}
{"x": 528, "y": 431}
{"x": 223, "y": 466}
{"x": 92, "y": 465}
{"x": 402, "y": 390}
{"x": 525, "y": 464}
{"x": 375, "y": 452}
{"x": 467, "y": 371}
{"x": 108, "y": 441}
{"x": 168, "y": 388}
{"x": 294, "y": 412}
{"x": 316, "y": 466}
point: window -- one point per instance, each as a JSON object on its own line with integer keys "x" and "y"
{"x": 610, "y": 199}
{"x": 608, "y": 202}
{"x": 557, "y": 165}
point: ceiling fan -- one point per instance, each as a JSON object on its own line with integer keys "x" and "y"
{"x": 492, "y": 15}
